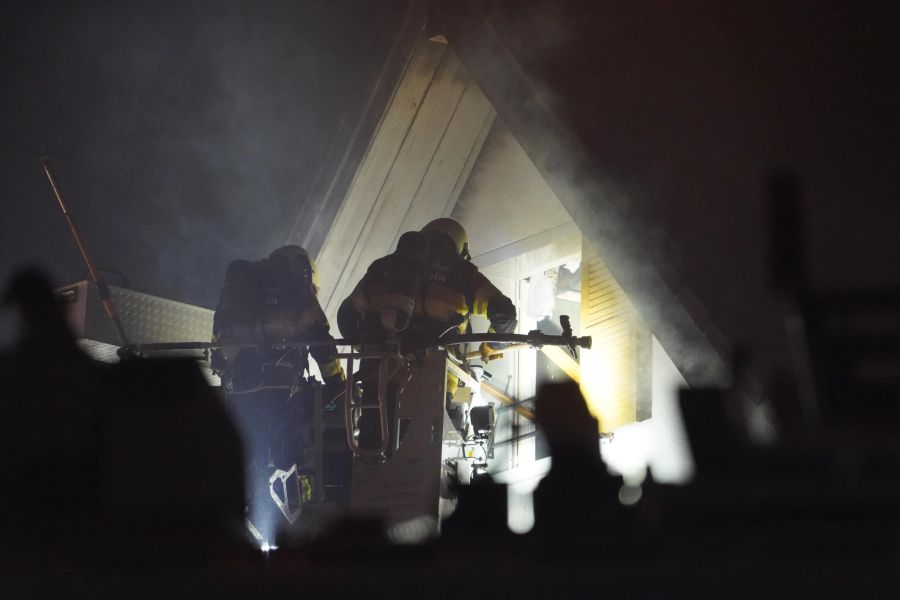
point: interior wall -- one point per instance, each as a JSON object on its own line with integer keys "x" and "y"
{"x": 505, "y": 199}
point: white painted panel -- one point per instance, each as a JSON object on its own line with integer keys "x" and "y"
{"x": 342, "y": 243}
{"x": 412, "y": 173}
{"x": 506, "y": 199}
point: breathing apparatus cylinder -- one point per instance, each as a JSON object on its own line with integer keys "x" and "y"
{"x": 405, "y": 281}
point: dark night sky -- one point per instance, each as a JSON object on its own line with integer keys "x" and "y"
{"x": 185, "y": 133}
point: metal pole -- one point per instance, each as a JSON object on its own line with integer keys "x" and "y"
{"x": 102, "y": 289}
{"x": 516, "y": 340}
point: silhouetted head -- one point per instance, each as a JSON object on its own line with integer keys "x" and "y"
{"x": 450, "y": 232}
{"x": 30, "y": 293}
{"x": 300, "y": 262}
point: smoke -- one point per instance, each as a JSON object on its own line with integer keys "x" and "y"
{"x": 517, "y": 54}
{"x": 185, "y": 133}
{"x": 657, "y": 124}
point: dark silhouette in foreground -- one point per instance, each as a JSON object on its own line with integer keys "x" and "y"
{"x": 109, "y": 470}
{"x": 134, "y": 461}
{"x": 576, "y": 503}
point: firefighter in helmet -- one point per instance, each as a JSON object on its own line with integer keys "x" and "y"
{"x": 263, "y": 303}
{"x": 271, "y": 300}
{"x": 427, "y": 287}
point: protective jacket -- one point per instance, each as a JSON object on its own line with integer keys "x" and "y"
{"x": 446, "y": 290}
{"x": 266, "y": 301}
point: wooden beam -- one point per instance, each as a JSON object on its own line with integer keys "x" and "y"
{"x": 564, "y": 361}
{"x": 504, "y": 399}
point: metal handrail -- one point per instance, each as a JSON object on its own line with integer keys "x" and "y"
{"x": 395, "y": 347}
{"x": 533, "y": 339}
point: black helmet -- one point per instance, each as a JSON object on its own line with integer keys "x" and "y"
{"x": 301, "y": 262}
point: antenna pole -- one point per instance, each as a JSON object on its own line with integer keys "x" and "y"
{"x": 102, "y": 289}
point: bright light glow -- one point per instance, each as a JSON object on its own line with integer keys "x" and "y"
{"x": 630, "y": 495}
{"x": 629, "y": 452}
{"x": 541, "y": 297}
{"x": 519, "y": 510}
{"x": 521, "y": 483}
{"x": 609, "y": 368}
{"x": 266, "y": 547}
{"x": 599, "y": 386}
{"x": 414, "y": 531}
{"x": 670, "y": 457}
{"x": 659, "y": 443}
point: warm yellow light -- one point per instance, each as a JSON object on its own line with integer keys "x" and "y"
{"x": 600, "y": 376}
{"x": 608, "y": 369}
{"x": 602, "y": 370}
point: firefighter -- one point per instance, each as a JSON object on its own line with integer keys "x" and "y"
{"x": 262, "y": 303}
{"x": 426, "y": 288}
{"x": 271, "y": 300}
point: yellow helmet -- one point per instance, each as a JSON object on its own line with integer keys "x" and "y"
{"x": 301, "y": 262}
{"x": 452, "y": 229}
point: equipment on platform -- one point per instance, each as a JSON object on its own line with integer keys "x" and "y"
{"x": 483, "y": 420}
{"x": 305, "y": 463}
{"x": 150, "y": 319}
{"x": 419, "y": 454}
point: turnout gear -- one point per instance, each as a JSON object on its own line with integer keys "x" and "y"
{"x": 426, "y": 288}
{"x": 261, "y": 303}
{"x": 404, "y": 283}
{"x": 449, "y": 291}
{"x": 488, "y": 352}
{"x": 445, "y": 288}
{"x": 269, "y": 300}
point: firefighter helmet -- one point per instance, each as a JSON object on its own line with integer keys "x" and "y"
{"x": 301, "y": 262}
{"x": 452, "y": 229}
